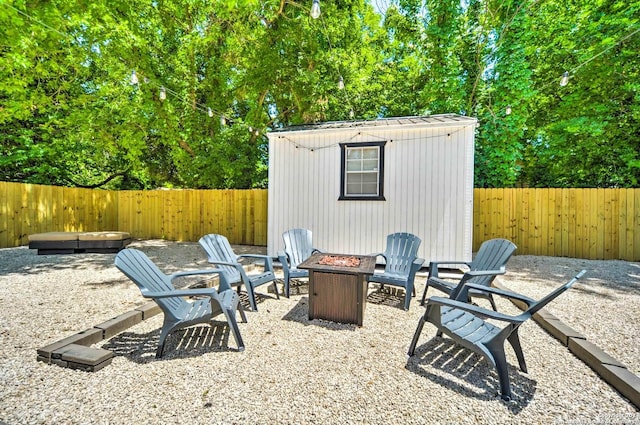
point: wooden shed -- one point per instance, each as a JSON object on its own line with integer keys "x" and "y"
{"x": 354, "y": 182}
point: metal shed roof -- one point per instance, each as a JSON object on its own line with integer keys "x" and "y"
{"x": 385, "y": 123}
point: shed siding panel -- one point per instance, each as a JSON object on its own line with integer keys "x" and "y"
{"x": 428, "y": 186}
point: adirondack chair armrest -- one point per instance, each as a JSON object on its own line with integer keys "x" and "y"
{"x": 316, "y": 250}
{"x": 501, "y": 292}
{"x": 210, "y": 292}
{"x": 283, "y": 257}
{"x": 194, "y": 273}
{"x": 417, "y": 263}
{"x": 475, "y": 310}
{"x": 474, "y": 273}
{"x": 268, "y": 261}
{"x": 378, "y": 254}
{"x": 224, "y": 282}
{"x": 500, "y": 271}
{"x": 434, "y": 265}
{"x": 226, "y": 263}
{"x": 285, "y": 260}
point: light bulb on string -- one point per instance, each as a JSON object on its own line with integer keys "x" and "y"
{"x": 223, "y": 121}
{"x": 315, "y": 9}
{"x": 565, "y": 79}
{"x": 507, "y": 110}
{"x": 163, "y": 93}
{"x": 351, "y": 114}
{"x": 134, "y": 77}
{"x": 341, "y": 83}
{"x": 209, "y": 112}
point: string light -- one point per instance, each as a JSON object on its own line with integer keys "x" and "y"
{"x": 507, "y": 111}
{"x": 209, "y": 112}
{"x": 134, "y": 77}
{"x": 223, "y": 121}
{"x": 341, "y": 83}
{"x": 315, "y": 9}
{"x": 565, "y": 79}
{"x": 370, "y": 136}
{"x": 163, "y": 93}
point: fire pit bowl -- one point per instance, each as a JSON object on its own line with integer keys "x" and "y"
{"x": 340, "y": 261}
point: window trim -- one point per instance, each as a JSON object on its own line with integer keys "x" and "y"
{"x": 343, "y": 172}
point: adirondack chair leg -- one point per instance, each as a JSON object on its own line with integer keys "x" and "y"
{"x": 233, "y": 324}
{"x": 275, "y": 288}
{"x": 286, "y": 285}
{"x": 493, "y": 303}
{"x": 163, "y": 338}
{"x": 500, "y": 360}
{"x": 407, "y": 296}
{"x": 243, "y": 316}
{"x": 424, "y": 294}
{"x": 252, "y": 299}
{"x": 514, "y": 340}
{"x": 416, "y": 336}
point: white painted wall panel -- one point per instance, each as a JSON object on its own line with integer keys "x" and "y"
{"x": 428, "y": 186}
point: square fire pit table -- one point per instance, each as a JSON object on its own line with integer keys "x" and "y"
{"x": 338, "y": 286}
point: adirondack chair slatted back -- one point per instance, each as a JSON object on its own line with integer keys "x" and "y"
{"x": 149, "y": 278}
{"x": 298, "y": 245}
{"x": 401, "y": 251}
{"x": 218, "y": 249}
{"x": 492, "y": 255}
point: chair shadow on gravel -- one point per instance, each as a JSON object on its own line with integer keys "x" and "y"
{"x": 300, "y": 313}
{"x": 298, "y": 287}
{"x": 190, "y": 342}
{"x": 447, "y": 364}
{"x": 389, "y": 296}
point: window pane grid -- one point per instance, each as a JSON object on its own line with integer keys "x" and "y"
{"x": 361, "y": 174}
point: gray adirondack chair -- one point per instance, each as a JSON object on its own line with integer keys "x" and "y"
{"x": 220, "y": 253}
{"x": 465, "y": 324}
{"x": 489, "y": 262}
{"x": 401, "y": 264}
{"x": 298, "y": 246}
{"x": 178, "y": 312}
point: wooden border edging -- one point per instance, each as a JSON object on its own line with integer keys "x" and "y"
{"x": 75, "y": 351}
{"x": 609, "y": 369}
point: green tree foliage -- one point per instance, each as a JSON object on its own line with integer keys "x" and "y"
{"x": 69, "y": 114}
{"x": 587, "y": 133}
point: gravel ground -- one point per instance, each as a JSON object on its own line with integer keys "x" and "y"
{"x": 298, "y": 371}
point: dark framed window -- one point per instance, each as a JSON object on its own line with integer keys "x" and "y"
{"x": 362, "y": 171}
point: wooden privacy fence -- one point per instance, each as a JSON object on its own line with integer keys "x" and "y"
{"x": 180, "y": 215}
{"x": 186, "y": 215}
{"x": 580, "y": 223}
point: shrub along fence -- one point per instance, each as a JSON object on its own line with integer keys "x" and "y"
{"x": 580, "y": 223}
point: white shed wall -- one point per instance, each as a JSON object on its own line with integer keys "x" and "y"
{"x": 428, "y": 186}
